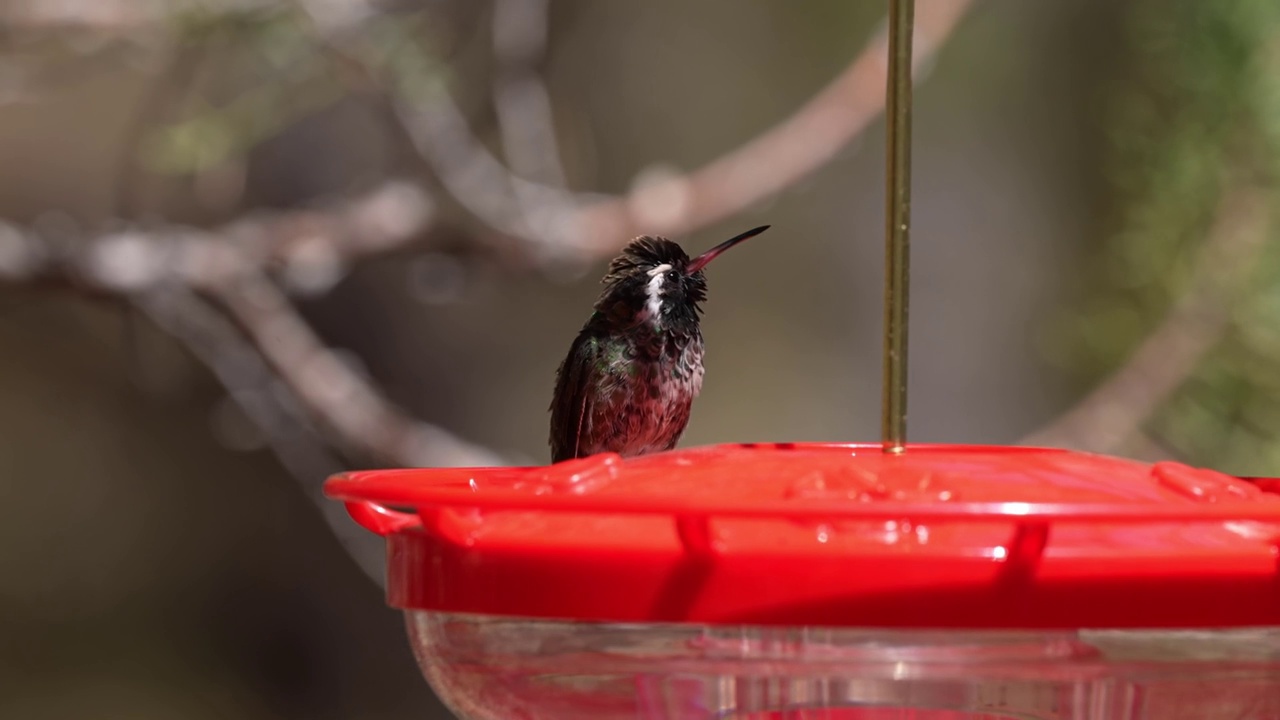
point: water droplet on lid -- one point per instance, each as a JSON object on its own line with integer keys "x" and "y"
{"x": 824, "y": 533}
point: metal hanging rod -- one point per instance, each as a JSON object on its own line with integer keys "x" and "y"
{"x": 897, "y": 225}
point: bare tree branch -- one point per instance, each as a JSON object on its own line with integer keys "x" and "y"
{"x": 357, "y": 415}
{"x": 314, "y": 249}
{"x": 523, "y": 106}
{"x": 253, "y": 387}
{"x": 1113, "y": 413}
{"x": 777, "y": 159}
{"x": 229, "y": 265}
{"x": 520, "y": 96}
{"x": 298, "y": 392}
{"x": 309, "y": 249}
{"x": 588, "y": 226}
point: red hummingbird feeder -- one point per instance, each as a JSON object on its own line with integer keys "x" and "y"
{"x": 810, "y": 581}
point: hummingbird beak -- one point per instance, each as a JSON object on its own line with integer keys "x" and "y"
{"x": 701, "y": 261}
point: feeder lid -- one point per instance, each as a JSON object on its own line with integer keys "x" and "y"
{"x": 836, "y": 535}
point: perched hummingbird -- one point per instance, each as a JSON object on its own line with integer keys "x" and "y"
{"x": 632, "y": 373}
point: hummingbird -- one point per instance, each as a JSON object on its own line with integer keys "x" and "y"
{"x": 632, "y": 372}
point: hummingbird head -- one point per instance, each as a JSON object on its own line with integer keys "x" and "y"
{"x": 655, "y": 280}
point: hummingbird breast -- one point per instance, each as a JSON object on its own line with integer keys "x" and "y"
{"x": 644, "y": 402}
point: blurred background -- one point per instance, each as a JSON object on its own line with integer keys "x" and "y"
{"x": 248, "y": 243}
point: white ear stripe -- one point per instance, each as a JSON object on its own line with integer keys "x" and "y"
{"x": 653, "y": 291}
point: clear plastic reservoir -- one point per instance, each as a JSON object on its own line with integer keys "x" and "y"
{"x": 488, "y": 668}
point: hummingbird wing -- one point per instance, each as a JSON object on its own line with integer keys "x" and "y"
{"x": 569, "y": 404}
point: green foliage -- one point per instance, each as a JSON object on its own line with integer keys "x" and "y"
{"x": 1194, "y": 112}
{"x": 275, "y": 78}
{"x": 274, "y": 71}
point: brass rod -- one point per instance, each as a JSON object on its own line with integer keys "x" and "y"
{"x": 897, "y": 225}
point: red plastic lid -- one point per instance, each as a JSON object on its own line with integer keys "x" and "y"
{"x": 835, "y": 535}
